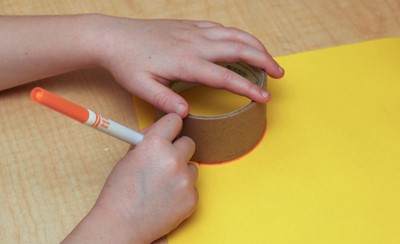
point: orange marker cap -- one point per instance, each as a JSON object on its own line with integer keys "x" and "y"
{"x": 60, "y": 104}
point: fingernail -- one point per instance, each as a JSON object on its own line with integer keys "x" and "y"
{"x": 180, "y": 108}
{"x": 281, "y": 70}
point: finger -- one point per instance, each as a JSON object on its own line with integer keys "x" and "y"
{"x": 240, "y": 42}
{"x": 234, "y": 51}
{"x": 234, "y": 34}
{"x": 160, "y": 96}
{"x": 185, "y": 147}
{"x": 220, "y": 77}
{"x": 167, "y": 127}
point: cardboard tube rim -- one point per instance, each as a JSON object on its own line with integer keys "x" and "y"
{"x": 224, "y": 137}
{"x": 260, "y": 81}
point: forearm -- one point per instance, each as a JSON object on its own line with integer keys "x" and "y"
{"x": 103, "y": 226}
{"x": 36, "y": 47}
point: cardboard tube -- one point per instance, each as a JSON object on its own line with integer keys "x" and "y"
{"x": 225, "y": 137}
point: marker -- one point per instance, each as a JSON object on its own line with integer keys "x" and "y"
{"x": 85, "y": 116}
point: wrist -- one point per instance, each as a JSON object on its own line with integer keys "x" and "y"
{"x": 99, "y": 41}
{"x": 92, "y": 38}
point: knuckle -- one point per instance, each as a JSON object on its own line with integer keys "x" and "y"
{"x": 226, "y": 77}
{"x": 252, "y": 88}
{"x": 193, "y": 198}
{"x": 237, "y": 47}
{"x": 155, "y": 141}
{"x": 174, "y": 118}
{"x": 231, "y": 31}
{"x": 161, "y": 99}
{"x": 189, "y": 141}
{"x": 194, "y": 169}
{"x": 173, "y": 160}
{"x": 216, "y": 24}
{"x": 185, "y": 182}
{"x": 185, "y": 66}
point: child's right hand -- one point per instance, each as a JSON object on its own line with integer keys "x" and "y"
{"x": 148, "y": 193}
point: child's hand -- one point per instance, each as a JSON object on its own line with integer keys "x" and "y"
{"x": 145, "y": 55}
{"x": 148, "y": 193}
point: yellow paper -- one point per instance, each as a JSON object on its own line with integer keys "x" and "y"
{"x": 328, "y": 168}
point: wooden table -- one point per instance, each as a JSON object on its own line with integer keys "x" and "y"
{"x": 52, "y": 169}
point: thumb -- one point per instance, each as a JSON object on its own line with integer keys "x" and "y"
{"x": 168, "y": 127}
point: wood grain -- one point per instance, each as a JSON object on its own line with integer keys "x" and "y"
{"x": 52, "y": 168}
